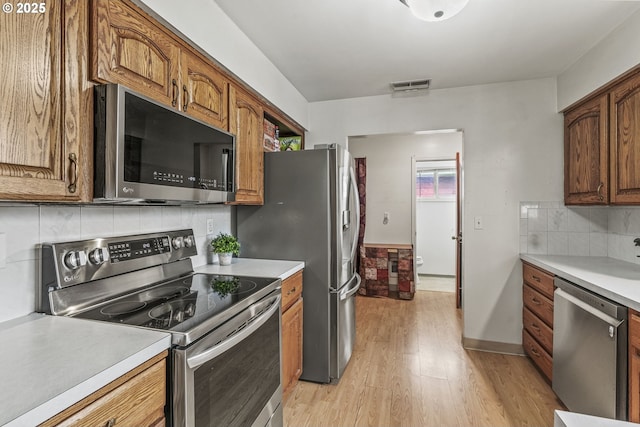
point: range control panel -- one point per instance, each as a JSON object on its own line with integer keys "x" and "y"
{"x": 121, "y": 251}
{"x": 70, "y": 263}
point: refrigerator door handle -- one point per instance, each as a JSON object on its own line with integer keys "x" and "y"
{"x": 354, "y": 186}
{"x": 352, "y": 290}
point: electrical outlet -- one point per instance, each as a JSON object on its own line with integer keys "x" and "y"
{"x": 385, "y": 218}
{"x": 210, "y": 226}
{"x": 477, "y": 223}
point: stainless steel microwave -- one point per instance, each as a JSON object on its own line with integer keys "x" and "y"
{"x": 148, "y": 153}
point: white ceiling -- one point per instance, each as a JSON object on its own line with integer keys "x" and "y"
{"x": 334, "y": 49}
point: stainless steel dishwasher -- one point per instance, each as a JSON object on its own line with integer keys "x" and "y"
{"x": 589, "y": 352}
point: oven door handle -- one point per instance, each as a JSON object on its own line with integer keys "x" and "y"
{"x": 199, "y": 359}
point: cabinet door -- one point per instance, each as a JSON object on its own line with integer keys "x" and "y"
{"x": 625, "y": 142}
{"x": 35, "y": 163}
{"x": 291, "y": 346}
{"x": 586, "y": 154}
{"x": 205, "y": 92}
{"x": 246, "y": 122}
{"x": 130, "y": 49}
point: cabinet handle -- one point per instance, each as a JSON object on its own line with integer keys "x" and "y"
{"x": 536, "y": 301}
{"x": 174, "y": 86}
{"x": 534, "y": 351}
{"x": 536, "y": 278}
{"x": 536, "y": 327}
{"x": 74, "y": 178}
{"x": 600, "y": 196}
{"x": 111, "y": 422}
{"x": 186, "y": 98}
{"x": 291, "y": 291}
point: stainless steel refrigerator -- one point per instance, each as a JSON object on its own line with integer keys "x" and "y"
{"x": 311, "y": 213}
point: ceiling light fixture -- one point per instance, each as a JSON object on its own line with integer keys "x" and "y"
{"x": 435, "y": 10}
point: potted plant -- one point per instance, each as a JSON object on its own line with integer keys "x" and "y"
{"x": 225, "y": 245}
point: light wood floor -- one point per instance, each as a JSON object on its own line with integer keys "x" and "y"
{"x": 409, "y": 369}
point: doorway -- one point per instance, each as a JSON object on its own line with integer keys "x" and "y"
{"x": 390, "y": 179}
{"x": 436, "y": 223}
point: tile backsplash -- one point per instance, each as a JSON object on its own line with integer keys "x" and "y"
{"x": 22, "y": 228}
{"x": 551, "y": 228}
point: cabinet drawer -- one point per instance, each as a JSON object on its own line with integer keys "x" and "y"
{"x": 538, "y": 330}
{"x": 539, "y": 305}
{"x": 538, "y": 355}
{"x": 291, "y": 289}
{"x": 538, "y": 279}
{"x": 138, "y": 402}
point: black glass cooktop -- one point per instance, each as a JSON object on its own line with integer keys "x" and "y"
{"x": 182, "y": 304}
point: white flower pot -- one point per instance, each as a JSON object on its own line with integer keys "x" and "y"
{"x": 225, "y": 258}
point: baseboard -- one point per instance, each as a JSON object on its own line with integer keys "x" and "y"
{"x": 492, "y": 346}
{"x": 444, "y": 276}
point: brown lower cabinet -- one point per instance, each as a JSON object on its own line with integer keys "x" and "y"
{"x": 537, "y": 318}
{"x": 634, "y": 366}
{"x": 291, "y": 332}
{"x": 135, "y": 399}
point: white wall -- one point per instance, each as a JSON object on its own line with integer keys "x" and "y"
{"x": 205, "y": 24}
{"x": 389, "y": 177}
{"x": 611, "y": 57}
{"x": 22, "y": 227}
{"x": 512, "y": 151}
{"x": 435, "y": 225}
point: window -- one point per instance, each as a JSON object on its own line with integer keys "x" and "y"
{"x": 436, "y": 184}
{"x": 425, "y": 184}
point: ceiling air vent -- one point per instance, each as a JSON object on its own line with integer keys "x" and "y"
{"x": 410, "y": 85}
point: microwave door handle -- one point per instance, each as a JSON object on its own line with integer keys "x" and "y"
{"x": 211, "y": 353}
{"x": 225, "y": 160}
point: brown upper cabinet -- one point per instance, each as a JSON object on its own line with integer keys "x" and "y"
{"x": 246, "y": 122}
{"x": 44, "y": 151}
{"x": 625, "y": 141}
{"x": 585, "y": 151}
{"x": 205, "y": 91}
{"x": 50, "y": 63}
{"x": 602, "y": 146}
{"x": 131, "y": 49}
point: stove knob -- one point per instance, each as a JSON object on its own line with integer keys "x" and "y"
{"x": 75, "y": 259}
{"x": 188, "y": 241}
{"x": 98, "y": 256}
{"x": 178, "y": 242}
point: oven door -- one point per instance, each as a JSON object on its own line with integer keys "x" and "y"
{"x": 231, "y": 377}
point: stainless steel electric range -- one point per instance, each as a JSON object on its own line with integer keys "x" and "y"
{"x": 225, "y": 360}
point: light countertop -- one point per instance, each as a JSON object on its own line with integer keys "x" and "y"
{"x": 614, "y": 279}
{"x": 254, "y": 267}
{"x": 48, "y": 363}
{"x": 571, "y": 419}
